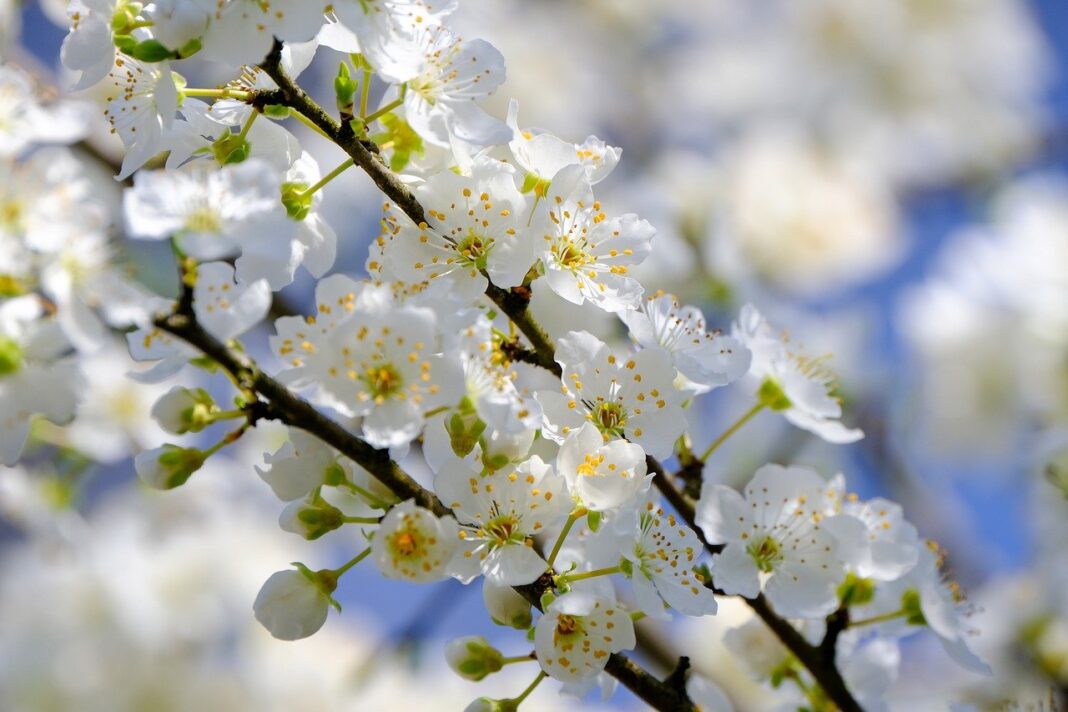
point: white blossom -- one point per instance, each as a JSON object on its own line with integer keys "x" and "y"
{"x": 805, "y": 382}
{"x": 601, "y": 476}
{"x": 577, "y": 633}
{"x": 413, "y": 544}
{"x": 623, "y": 396}
{"x": 474, "y": 222}
{"x": 774, "y": 541}
{"x": 499, "y": 515}
{"x": 587, "y": 255}
{"x": 704, "y": 359}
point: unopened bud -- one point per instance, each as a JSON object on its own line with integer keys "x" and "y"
{"x": 473, "y": 658}
{"x": 311, "y": 517}
{"x": 168, "y": 466}
{"x": 184, "y": 410}
{"x": 505, "y": 605}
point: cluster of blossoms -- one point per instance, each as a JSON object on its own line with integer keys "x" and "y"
{"x": 544, "y": 450}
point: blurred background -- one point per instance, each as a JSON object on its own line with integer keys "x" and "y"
{"x": 887, "y": 178}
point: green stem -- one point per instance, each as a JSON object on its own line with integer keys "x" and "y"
{"x": 571, "y": 578}
{"x": 329, "y": 177}
{"x": 518, "y": 659}
{"x": 571, "y": 519}
{"x": 248, "y": 124}
{"x": 228, "y": 415}
{"x": 355, "y": 560}
{"x": 732, "y": 430}
{"x": 384, "y": 110}
{"x": 365, "y": 91}
{"x": 309, "y": 123}
{"x": 218, "y": 93}
{"x": 232, "y": 436}
{"x": 530, "y": 688}
{"x": 374, "y": 501}
{"x": 877, "y": 619}
{"x": 361, "y": 520}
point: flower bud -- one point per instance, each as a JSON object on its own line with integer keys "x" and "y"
{"x": 168, "y": 466}
{"x": 184, "y": 410}
{"x": 472, "y": 657}
{"x": 505, "y": 605}
{"x": 293, "y": 604}
{"x": 488, "y": 704}
{"x": 310, "y": 517}
{"x": 345, "y": 90}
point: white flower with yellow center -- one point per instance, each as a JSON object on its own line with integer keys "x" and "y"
{"x": 475, "y": 225}
{"x": 381, "y": 361}
{"x": 383, "y": 31}
{"x": 225, "y": 310}
{"x": 141, "y": 108}
{"x": 661, "y": 565}
{"x": 413, "y": 544}
{"x": 578, "y": 632}
{"x": 499, "y": 515}
{"x": 630, "y": 397}
{"x": 242, "y": 31}
{"x": 34, "y": 379}
{"x": 450, "y": 77}
{"x": 601, "y": 476}
{"x": 704, "y": 359}
{"x": 586, "y": 254}
{"x": 798, "y": 386}
{"x": 217, "y": 212}
{"x": 774, "y": 541}
{"x": 542, "y": 155}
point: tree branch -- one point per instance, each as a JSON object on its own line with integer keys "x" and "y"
{"x": 515, "y": 304}
{"x": 283, "y": 405}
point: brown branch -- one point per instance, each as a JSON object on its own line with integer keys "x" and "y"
{"x": 283, "y": 405}
{"x": 515, "y": 304}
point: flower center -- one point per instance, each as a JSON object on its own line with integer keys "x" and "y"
{"x": 610, "y": 418}
{"x": 766, "y": 554}
{"x": 590, "y": 466}
{"x": 474, "y": 249}
{"x": 570, "y": 255}
{"x": 566, "y": 626}
{"x": 382, "y": 381}
{"x": 405, "y": 543}
{"x": 11, "y": 216}
{"x": 10, "y": 356}
{"x": 203, "y": 220}
{"x": 503, "y": 529}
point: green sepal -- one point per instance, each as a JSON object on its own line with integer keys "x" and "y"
{"x": 593, "y": 520}
{"x": 297, "y": 200}
{"x": 230, "y": 148}
{"x": 772, "y": 396}
{"x": 151, "y": 51}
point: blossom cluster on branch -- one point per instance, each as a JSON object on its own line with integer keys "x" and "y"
{"x": 431, "y": 415}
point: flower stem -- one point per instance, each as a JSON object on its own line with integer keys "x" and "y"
{"x": 232, "y": 436}
{"x": 309, "y": 123}
{"x": 877, "y": 619}
{"x": 376, "y": 502}
{"x": 330, "y": 176}
{"x": 365, "y": 91}
{"x": 225, "y": 93}
{"x": 355, "y": 560}
{"x": 361, "y": 520}
{"x": 530, "y": 688}
{"x": 732, "y": 430}
{"x": 571, "y": 519}
{"x": 518, "y": 659}
{"x": 248, "y": 124}
{"x": 383, "y": 111}
{"x": 571, "y": 578}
